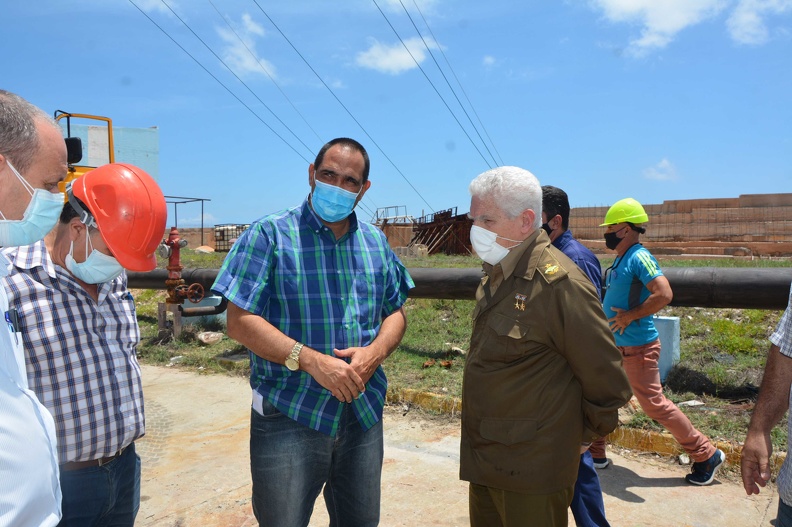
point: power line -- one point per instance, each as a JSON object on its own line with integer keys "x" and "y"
{"x": 446, "y": 80}
{"x": 219, "y": 81}
{"x": 500, "y": 159}
{"x": 235, "y": 75}
{"x": 343, "y": 105}
{"x": 432, "y": 84}
{"x": 241, "y": 40}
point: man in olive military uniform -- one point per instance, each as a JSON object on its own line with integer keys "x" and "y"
{"x": 543, "y": 377}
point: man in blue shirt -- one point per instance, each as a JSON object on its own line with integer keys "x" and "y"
{"x": 317, "y": 297}
{"x": 635, "y": 289}
{"x": 587, "y": 505}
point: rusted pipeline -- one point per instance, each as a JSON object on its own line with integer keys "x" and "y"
{"x": 714, "y": 287}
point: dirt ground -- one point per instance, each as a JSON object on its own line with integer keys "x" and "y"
{"x": 196, "y": 468}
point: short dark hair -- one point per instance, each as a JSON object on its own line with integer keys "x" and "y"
{"x": 555, "y": 202}
{"x": 350, "y": 143}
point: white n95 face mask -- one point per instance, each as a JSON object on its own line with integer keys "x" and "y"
{"x": 486, "y": 247}
{"x": 40, "y": 216}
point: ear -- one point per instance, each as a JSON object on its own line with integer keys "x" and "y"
{"x": 76, "y": 228}
{"x": 528, "y": 217}
{"x": 365, "y": 188}
{"x": 311, "y": 175}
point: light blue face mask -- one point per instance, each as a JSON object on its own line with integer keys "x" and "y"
{"x": 98, "y": 268}
{"x": 40, "y": 216}
{"x": 332, "y": 203}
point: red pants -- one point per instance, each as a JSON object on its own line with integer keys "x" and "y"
{"x": 640, "y": 364}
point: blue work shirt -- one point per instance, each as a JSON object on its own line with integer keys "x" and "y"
{"x": 625, "y": 288}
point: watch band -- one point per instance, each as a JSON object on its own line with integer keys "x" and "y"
{"x": 293, "y": 360}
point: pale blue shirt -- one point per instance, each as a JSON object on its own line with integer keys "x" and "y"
{"x": 782, "y": 337}
{"x": 30, "y": 493}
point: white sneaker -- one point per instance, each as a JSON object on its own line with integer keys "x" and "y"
{"x": 601, "y": 462}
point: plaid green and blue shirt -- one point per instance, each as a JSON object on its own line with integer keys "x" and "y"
{"x": 326, "y": 293}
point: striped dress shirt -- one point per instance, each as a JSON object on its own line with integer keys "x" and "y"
{"x": 81, "y": 354}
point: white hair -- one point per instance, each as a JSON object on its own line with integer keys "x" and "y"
{"x": 513, "y": 189}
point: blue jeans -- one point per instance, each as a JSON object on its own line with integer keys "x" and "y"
{"x": 106, "y": 496}
{"x": 784, "y": 518}
{"x": 587, "y": 506}
{"x": 290, "y": 463}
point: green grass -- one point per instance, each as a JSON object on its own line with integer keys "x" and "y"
{"x": 722, "y": 350}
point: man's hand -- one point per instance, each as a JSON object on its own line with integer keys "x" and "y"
{"x": 755, "y": 461}
{"x": 363, "y": 359}
{"x": 620, "y": 321}
{"x": 334, "y": 374}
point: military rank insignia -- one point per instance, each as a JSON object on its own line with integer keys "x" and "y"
{"x": 520, "y": 301}
{"x": 551, "y": 269}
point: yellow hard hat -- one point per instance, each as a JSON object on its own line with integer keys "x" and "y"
{"x": 625, "y": 210}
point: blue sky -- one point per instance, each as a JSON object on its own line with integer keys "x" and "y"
{"x": 654, "y": 99}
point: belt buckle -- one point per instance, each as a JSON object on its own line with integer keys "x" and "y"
{"x": 106, "y": 460}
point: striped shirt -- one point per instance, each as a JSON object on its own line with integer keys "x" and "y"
{"x": 326, "y": 293}
{"x": 625, "y": 287}
{"x": 782, "y": 337}
{"x": 80, "y": 353}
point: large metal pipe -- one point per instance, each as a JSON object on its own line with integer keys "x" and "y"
{"x": 716, "y": 287}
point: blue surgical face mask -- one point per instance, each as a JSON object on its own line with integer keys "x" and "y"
{"x": 97, "y": 268}
{"x": 332, "y": 203}
{"x": 40, "y": 216}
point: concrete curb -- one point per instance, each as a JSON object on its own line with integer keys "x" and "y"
{"x": 629, "y": 438}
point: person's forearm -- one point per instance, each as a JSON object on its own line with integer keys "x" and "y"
{"x": 258, "y": 335}
{"x": 390, "y": 334}
{"x": 774, "y": 392}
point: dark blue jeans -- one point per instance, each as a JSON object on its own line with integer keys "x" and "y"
{"x": 587, "y": 505}
{"x": 106, "y": 496}
{"x": 784, "y": 518}
{"x": 290, "y": 463}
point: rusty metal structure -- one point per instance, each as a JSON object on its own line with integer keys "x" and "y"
{"x": 444, "y": 232}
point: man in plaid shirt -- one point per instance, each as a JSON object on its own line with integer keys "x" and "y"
{"x": 317, "y": 297}
{"x": 80, "y": 332}
{"x": 774, "y": 399}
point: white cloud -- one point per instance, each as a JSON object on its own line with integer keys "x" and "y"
{"x": 394, "y": 59}
{"x": 488, "y": 61}
{"x": 747, "y": 22}
{"x": 239, "y": 51}
{"x": 662, "y": 171}
{"x": 660, "y": 20}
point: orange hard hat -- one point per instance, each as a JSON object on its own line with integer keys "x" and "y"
{"x": 128, "y": 208}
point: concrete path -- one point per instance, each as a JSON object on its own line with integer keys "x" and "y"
{"x": 196, "y": 469}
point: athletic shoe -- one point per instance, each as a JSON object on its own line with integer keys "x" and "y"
{"x": 704, "y": 471}
{"x": 601, "y": 462}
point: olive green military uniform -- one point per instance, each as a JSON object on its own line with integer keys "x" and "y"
{"x": 542, "y": 376}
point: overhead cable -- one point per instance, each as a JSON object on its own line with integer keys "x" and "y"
{"x": 265, "y": 70}
{"x": 486, "y": 161}
{"x": 461, "y": 87}
{"x": 343, "y": 105}
{"x": 235, "y": 96}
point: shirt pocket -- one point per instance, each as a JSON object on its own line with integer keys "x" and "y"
{"x": 508, "y": 431}
{"x": 504, "y": 326}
